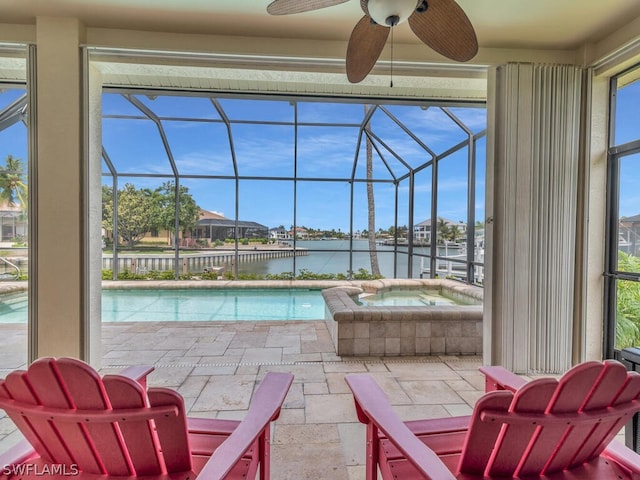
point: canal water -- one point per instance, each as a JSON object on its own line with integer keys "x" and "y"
{"x": 332, "y": 256}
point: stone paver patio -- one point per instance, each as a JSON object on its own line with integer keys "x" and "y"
{"x": 216, "y": 366}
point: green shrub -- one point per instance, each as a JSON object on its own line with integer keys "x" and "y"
{"x": 156, "y": 275}
{"x": 250, "y": 276}
{"x": 208, "y": 276}
{"x": 363, "y": 274}
{"x": 627, "y": 304}
{"x": 307, "y": 275}
{"x": 304, "y": 274}
{"x": 280, "y": 276}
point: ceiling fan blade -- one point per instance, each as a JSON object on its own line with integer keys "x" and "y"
{"x": 445, "y": 27}
{"x": 286, "y": 7}
{"x": 365, "y": 46}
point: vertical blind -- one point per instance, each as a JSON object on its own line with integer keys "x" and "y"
{"x": 535, "y": 201}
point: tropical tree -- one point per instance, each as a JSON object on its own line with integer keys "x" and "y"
{"x": 134, "y": 207}
{"x": 165, "y": 200}
{"x": 13, "y": 189}
{"x": 454, "y": 233}
{"x": 143, "y": 210}
{"x": 371, "y": 203}
{"x": 443, "y": 231}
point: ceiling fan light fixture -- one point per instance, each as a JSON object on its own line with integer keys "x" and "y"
{"x": 391, "y": 12}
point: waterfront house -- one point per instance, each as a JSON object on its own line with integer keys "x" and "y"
{"x": 214, "y": 226}
{"x": 630, "y": 234}
{"x": 422, "y": 230}
{"x": 279, "y": 233}
{"x": 13, "y": 223}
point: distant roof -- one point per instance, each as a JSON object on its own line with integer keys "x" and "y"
{"x": 8, "y": 214}
{"x": 634, "y": 219}
{"x": 206, "y": 214}
{"x": 8, "y": 211}
{"x": 214, "y": 219}
{"x": 227, "y": 222}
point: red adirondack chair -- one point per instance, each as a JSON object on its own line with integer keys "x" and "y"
{"x": 78, "y": 424}
{"x": 546, "y": 428}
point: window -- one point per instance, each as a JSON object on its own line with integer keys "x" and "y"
{"x": 14, "y": 225}
{"x": 623, "y": 249}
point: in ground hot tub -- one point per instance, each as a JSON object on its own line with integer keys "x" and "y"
{"x": 405, "y": 317}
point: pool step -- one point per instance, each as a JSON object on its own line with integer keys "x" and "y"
{"x": 13, "y": 300}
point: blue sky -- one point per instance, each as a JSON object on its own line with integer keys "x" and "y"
{"x": 628, "y": 129}
{"x": 201, "y": 148}
{"x": 327, "y": 152}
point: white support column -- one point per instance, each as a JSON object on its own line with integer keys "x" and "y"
{"x": 59, "y": 249}
{"x": 597, "y": 144}
{"x": 534, "y": 151}
{"x": 93, "y": 337}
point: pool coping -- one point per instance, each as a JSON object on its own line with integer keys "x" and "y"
{"x": 11, "y": 287}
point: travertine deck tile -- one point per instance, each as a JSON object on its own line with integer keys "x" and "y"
{"x": 262, "y": 355}
{"x": 216, "y": 368}
{"x": 430, "y": 392}
{"x": 334, "y": 408}
{"x": 225, "y": 393}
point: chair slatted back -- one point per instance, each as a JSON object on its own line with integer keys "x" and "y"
{"x": 104, "y": 426}
{"x": 550, "y": 425}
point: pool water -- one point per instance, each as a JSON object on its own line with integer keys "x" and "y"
{"x": 407, "y": 298}
{"x": 147, "y": 305}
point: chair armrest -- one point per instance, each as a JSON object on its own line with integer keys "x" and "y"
{"x": 138, "y": 373}
{"x": 373, "y": 407}
{"x": 499, "y": 378}
{"x": 264, "y": 408}
{"x": 623, "y": 456}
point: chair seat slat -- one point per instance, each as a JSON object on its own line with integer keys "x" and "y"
{"x": 516, "y": 440}
{"x": 86, "y": 389}
{"x": 481, "y": 436}
{"x": 138, "y": 437}
{"x": 606, "y": 388}
{"x": 45, "y": 380}
{"x": 172, "y": 430}
{"x": 40, "y": 433}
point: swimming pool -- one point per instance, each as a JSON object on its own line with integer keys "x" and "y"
{"x": 157, "y": 305}
{"x": 408, "y": 298}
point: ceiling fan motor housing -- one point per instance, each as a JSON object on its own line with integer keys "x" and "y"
{"x": 391, "y": 12}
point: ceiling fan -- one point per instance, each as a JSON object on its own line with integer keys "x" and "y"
{"x": 441, "y": 24}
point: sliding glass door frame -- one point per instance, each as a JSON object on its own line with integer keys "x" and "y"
{"x": 612, "y": 274}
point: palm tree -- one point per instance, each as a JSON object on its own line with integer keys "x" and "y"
{"x": 13, "y": 189}
{"x": 371, "y": 205}
{"x": 443, "y": 230}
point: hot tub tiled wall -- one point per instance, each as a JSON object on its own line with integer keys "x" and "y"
{"x": 391, "y": 331}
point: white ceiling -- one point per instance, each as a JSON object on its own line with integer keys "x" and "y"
{"x": 551, "y": 25}
{"x": 540, "y": 24}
